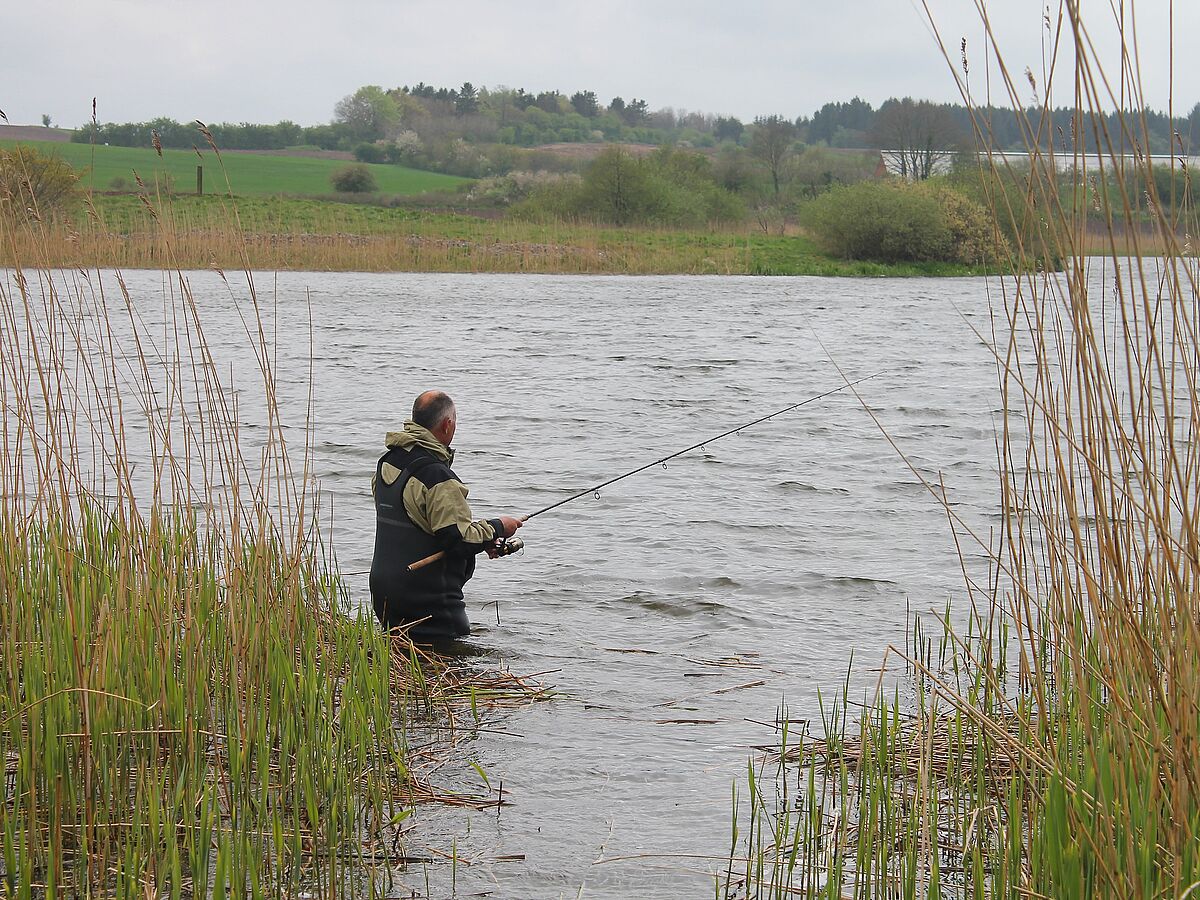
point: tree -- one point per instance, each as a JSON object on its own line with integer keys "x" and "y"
{"x": 1193, "y": 129}
{"x": 733, "y": 169}
{"x": 728, "y": 128}
{"x": 815, "y": 169}
{"x": 547, "y": 101}
{"x": 371, "y": 153}
{"x": 585, "y": 103}
{"x": 467, "y": 101}
{"x": 616, "y": 187}
{"x": 771, "y": 143}
{"x": 46, "y": 122}
{"x": 842, "y": 124}
{"x": 636, "y": 111}
{"x": 353, "y": 179}
{"x": 33, "y": 182}
{"x": 367, "y": 114}
{"x": 915, "y": 136}
{"x": 616, "y": 106}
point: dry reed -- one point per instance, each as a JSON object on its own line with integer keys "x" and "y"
{"x": 1052, "y": 748}
{"x": 187, "y": 706}
{"x": 175, "y": 235}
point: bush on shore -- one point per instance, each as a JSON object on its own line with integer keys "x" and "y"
{"x": 505, "y": 190}
{"x": 900, "y": 221}
{"x": 34, "y": 183}
{"x": 667, "y": 188}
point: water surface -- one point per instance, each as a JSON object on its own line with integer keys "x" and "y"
{"x": 676, "y": 611}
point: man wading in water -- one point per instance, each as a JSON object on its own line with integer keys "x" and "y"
{"x": 421, "y": 508}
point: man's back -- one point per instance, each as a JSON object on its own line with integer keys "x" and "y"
{"x": 407, "y": 478}
{"x": 421, "y": 509}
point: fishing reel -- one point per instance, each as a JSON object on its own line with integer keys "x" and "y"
{"x": 506, "y": 547}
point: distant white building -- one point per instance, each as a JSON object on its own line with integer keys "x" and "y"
{"x": 900, "y": 163}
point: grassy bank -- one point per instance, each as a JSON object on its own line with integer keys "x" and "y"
{"x": 249, "y": 174}
{"x": 1047, "y": 747}
{"x": 288, "y": 233}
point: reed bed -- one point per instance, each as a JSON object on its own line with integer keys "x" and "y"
{"x": 187, "y": 706}
{"x": 490, "y": 248}
{"x": 1046, "y": 740}
{"x": 296, "y": 234}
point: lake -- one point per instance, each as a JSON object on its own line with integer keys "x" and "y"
{"x": 678, "y": 610}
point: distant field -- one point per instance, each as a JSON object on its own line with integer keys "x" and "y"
{"x": 250, "y": 175}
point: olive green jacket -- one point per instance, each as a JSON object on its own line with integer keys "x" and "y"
{"x": 433, "y": 509}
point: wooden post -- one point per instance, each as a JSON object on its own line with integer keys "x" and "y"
{"x": 199, "y": 180}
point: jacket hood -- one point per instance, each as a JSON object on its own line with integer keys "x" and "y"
{"x": 414, "y": 435}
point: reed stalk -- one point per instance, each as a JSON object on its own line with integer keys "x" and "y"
{"x": 1051, "y": 743}
{"x": 188, "y": 706}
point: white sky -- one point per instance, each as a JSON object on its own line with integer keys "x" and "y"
{"x": 266, "y": 60}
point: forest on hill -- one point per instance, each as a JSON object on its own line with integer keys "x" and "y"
{"x": 476, "y": 131}
{"x": 665, "y": 168}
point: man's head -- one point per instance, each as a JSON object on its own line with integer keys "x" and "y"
{"x": 434, "y": 411}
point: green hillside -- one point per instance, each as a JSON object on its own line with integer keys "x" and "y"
{"x": 249, "y": 174}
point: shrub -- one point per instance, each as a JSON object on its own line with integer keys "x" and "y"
{"x": 814, "y": 170}
{"x": 1007, "y": 190}
{"x": 35, "y": 182}
{"x": 972, "y": 230}
{"x": 370, "y": 153}
{"x": 670, "y": 188}
{"x": 899, "y": 221}
{"x": 503, "y": 190}
{"x": 355, "y": 178}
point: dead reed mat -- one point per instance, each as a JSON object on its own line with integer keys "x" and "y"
{"x": 1046, "y": 740}
{"x": 187, "y": 705}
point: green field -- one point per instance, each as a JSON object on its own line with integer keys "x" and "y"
{"x": 249, "y": 174}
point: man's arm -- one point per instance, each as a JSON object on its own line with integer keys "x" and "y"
{"x": 451, "y": 523}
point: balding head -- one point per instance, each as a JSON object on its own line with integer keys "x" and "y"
{"x": 434, "y": 410}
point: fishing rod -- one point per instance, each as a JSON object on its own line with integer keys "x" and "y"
{"x": 595, "y": 489}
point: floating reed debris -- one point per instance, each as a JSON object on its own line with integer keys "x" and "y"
{"x": 187, "y": 707}
{"x": 1049, "y": 746}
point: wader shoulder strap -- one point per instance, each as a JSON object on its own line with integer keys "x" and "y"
{"x": 420, "y": 461}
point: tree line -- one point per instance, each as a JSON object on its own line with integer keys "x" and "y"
{"x": 434, "y": 117}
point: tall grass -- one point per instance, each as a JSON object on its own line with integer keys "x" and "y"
{"x": 295, "y": 234}
{"x": 1050, "y": 746}
{"x": 186, "y": 706}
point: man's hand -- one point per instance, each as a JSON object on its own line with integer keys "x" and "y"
{"x": 511, "y": 524}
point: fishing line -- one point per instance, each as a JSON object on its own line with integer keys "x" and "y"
{"x": 596, "y": 488}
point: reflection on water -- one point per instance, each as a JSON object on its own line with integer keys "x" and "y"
{"x": 678, "y": 609}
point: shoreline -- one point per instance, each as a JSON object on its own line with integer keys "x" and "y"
{"x": 660, "y": 254}
{"x": 305, "y": 234}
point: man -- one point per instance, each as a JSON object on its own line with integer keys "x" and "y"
{"x": 421, "y": 508}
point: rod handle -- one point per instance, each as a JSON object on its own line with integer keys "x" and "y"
{"x": 430, "y": 560}
{"x": 427, "y": 561}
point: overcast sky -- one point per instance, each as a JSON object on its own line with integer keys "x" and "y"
{"x": 267, "y": 60}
